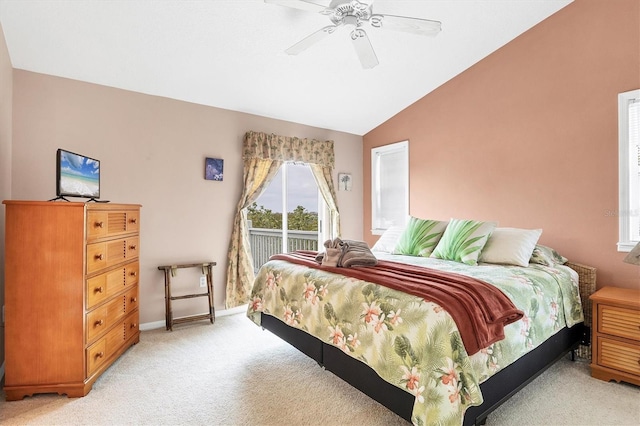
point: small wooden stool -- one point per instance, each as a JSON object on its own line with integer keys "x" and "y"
{"x": 171, "y": 271}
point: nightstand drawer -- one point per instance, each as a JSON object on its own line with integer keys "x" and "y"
{"x": 619, "y": 355}
{"x": 616, "y": 335}
{"x": 619, "y": 321}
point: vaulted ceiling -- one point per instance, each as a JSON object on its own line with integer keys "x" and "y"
{"x": 230, "y": 53}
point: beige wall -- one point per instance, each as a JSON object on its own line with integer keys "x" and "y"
{"x": 152, "y": 152}
{"x": 6, "y": 96}
{"x": 528, "y": 136}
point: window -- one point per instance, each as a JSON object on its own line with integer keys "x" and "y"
{"x": 389, "y": 186}
{"x": 293, "y": 190}
{"x": 629, "y": 168}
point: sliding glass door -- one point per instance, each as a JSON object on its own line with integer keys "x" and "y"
{"x": 287, "y": 216}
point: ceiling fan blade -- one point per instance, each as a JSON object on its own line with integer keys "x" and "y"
{"x": 308, "y": 5}
{"x": 310, "y": 40}
{"x": 408, "y": 25}
{"x": 364, "y": 49}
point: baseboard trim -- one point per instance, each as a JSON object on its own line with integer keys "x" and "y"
{"x": 161, "y": 324}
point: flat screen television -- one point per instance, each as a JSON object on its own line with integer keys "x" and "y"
{"x": 77, "y": 175}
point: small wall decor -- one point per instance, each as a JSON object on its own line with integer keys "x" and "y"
{"x": 213, "y": 168}
{"x": 344, "y": 181}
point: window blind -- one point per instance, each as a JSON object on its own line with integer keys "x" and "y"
{"x": 390, "y": 185}
{"x": 634, "y": 168}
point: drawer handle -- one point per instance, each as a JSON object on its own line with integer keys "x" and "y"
{"x": 134, "y": 220}
{"x": 99, "y": 323}
{"x": 100, "y": 355}
{"x": 98, "y": 289}
{"x": 134, "y": 325}
{"x": 99, "y": 256}
{"x": 134, "y": 299}
{"x": 99, "y": 224}
{"x": 133, "y": 273}
{"x": 132, "y": 247}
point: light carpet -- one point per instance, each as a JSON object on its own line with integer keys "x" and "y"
{"x": 234, "y": 373}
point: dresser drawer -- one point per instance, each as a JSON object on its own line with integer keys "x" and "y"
{"x": 104, "y": 286}
{"x": 96, "y": 356}
{"x": 131, "y": 326}
{"x": 103, "y": 224}
{"x": 101, "y": 319}
{"x": 619, "y": 355}
{"x": 132, "y": 247}
{"x": 619, "y": 321}
{"x": 109, "y": 345}
{"x": 133, "y": 221}
{"x": 131, "y": 300}
{"x": 105, "y": 254}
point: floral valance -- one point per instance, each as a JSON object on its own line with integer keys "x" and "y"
{"x": 285, "y": 148}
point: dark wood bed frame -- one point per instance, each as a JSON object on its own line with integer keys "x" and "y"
{"x": 495, "y": 390}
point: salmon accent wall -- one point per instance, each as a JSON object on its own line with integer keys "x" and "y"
{"x": 528, "y": 136}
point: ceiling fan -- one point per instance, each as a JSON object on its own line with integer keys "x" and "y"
{"x": 353, "y": 14}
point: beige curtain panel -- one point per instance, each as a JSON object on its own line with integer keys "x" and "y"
{"x": 263, "y": 154}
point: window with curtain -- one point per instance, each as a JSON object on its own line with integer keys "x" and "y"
{"x": 389, "y": 186}
{"x": 629, "y": 169}
{"x": 263, "y": 154}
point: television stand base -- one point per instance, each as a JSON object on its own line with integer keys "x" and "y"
{"x": 60, "y": 197}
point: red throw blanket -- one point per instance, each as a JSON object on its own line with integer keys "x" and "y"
{"x": 480, "y": 310}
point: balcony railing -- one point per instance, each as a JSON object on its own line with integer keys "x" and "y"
{"x": 267, "y": 242}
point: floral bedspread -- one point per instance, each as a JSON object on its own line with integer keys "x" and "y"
{"x": 412, "y": 343}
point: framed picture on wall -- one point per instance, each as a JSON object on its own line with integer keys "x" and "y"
{"x": 213, "y": 168}
{"x": 344, "y": 181}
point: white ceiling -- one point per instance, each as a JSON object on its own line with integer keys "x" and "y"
{"x": 230, "y": 53}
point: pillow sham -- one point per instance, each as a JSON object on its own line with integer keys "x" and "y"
{"x": 463, "y": 240}
{"x": 388, "y": 240}
{"x": 420, "y": 237}
{"x": 546, "y": 256}
{"x": 510, "y": 246}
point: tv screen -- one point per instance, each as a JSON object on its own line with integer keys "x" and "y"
{"x": 77, "y": 175}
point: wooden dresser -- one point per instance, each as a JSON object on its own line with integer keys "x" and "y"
{"x": 616, "y": 335}
{"x": 71, "y": 293}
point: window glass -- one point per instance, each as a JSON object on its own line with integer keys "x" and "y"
{"x": 629, "y": 169}
{"x": 293, "y": 190}
{"x": 389, "y": 186}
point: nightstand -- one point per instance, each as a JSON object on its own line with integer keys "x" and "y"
{"x": 616, "y": 335}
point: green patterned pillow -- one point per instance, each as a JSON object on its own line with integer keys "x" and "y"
{"x": 420, "y": 237}
{"x": 463, "y": 240}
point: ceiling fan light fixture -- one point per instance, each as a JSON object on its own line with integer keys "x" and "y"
{"x": 356, "y": 13}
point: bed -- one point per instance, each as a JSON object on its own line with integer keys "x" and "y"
{"x": 407, "y": 351}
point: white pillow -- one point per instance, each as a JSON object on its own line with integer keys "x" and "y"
{"x": 388, "y": 240}
{"x": 510, "y": 246}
